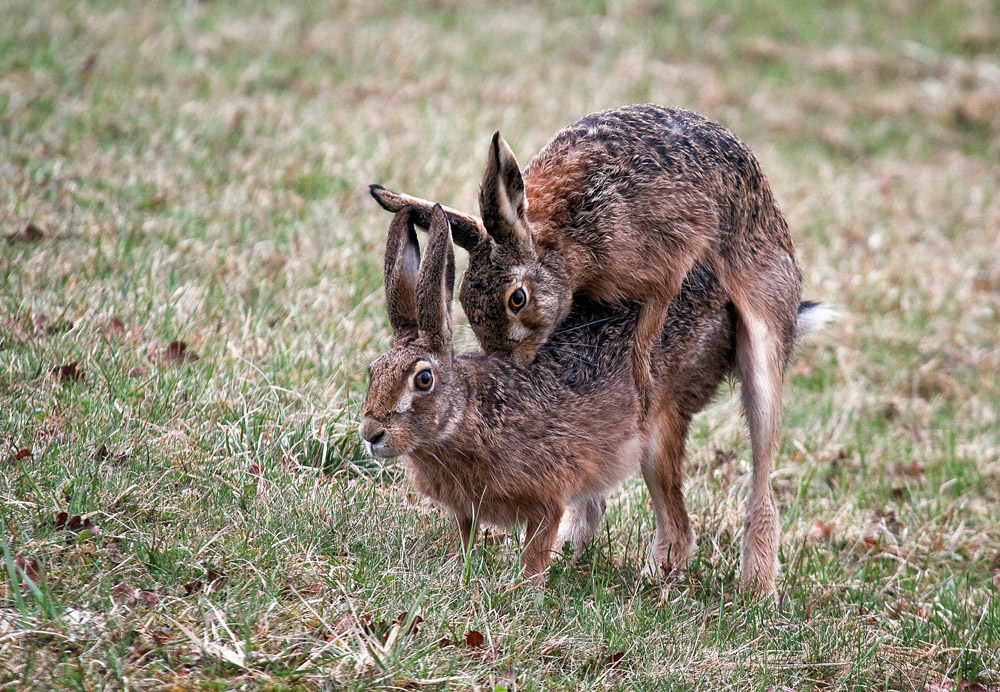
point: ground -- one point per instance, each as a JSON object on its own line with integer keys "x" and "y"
{"x": 190, "y": 290}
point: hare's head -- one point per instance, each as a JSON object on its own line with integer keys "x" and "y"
{"x": 411, "y": 400}
{"x": 512, "y": 296}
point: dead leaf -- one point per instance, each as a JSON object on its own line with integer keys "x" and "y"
{"x": 414, "y": 626}
{"x": 891, "y": 411}
{"x": 254, "y": 469}
{"x": 70, "y": 372}
{"x": 913, "y": 470}
{"x": 595, "y": 665}
{"x": 820, "y": 531}
{"x": 30, "y": 234}
{"x": 28, "y": 568}
{"x": 114, "y": 327}
{"x": 137, "y": 372}
{"x": 379, "y": 629}
{"x": 23, "y": 453}
{"x": 87, "y": 67}
{"x": 45, "y": 325}
{"x": 474, "y": 639}
{"x": 123, "y": 590}
{"x": 76, "y": 524}
{"x": 724, "y": 457}
{"x": 178, "y": 353}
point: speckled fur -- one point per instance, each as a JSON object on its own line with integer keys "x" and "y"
{"x": 620, "y": 206}
{"x": 503, "y": 442}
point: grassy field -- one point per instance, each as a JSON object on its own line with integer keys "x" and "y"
{"x": 190, "y": 290}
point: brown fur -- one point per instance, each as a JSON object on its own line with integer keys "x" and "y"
{"x": 620, "y": 206}
{"x": 500, "y": 441}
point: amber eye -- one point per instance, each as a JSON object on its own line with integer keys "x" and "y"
{"x": 423, "y": 380}
{"x": 517, "y": 299}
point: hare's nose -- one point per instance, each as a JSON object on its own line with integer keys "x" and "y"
{"x": 373, "y": 437}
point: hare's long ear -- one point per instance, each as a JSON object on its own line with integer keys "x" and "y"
{"x": 402, "y": 261}
{"x": 435, "y": 285}
{"x": 467, "y": 230}
{"x": 501, "y": 196}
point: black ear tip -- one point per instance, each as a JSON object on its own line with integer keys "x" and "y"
{"x": 376, "y": 191}
{"x": 439, "y": 217}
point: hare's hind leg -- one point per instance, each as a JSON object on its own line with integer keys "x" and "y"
{"x": 663, "y": 470}
{"x": 766, "y": 303}
{"x": 580, "y": 522}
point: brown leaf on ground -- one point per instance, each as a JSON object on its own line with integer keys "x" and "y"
{"x": 820, "y": 531}
{"x": 212, "y": 578}
{"x": 124, "y": 591}
{"x": 254, "y": 469}
{"x": 379, "y": 629}
{"x": 114, "y": 327}
{"x": 414, "y": 626}
{"x": 177, "y": 353}
{"x": 30, "y": 234}
{"x": 74, "y": 523}
{"x": 596, "y": 665}
{"x": 23, "y": 453}
{"x": 475, "y": 639}
{"x": 87, "y": 67}
{"x": 913, "y": 470}
{"x": 137, "y": 372}
{"x": 28, "y": 568}
{"x": 70, "y": 372}
{"x": 724, "y": 457}
{"x": 47, "y": 326}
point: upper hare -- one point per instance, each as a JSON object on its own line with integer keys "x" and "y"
{"x": 491, "y": 438}
{"x": 620, "y": 206}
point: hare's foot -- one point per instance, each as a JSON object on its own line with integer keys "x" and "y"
{"x": 759, "y": 547}
{"x": 668, "y": 555}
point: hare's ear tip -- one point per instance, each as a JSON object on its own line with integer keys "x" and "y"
{"x": 378, "y": 193}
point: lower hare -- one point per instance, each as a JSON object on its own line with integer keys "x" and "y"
{"x": 495, "y": 440}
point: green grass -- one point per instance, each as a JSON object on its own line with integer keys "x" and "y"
{"x": 200, "y": 173}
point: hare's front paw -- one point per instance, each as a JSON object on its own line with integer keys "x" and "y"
{"x": 668, "y": 556}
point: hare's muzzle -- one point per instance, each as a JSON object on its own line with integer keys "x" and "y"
{"x": 374, "y": 436}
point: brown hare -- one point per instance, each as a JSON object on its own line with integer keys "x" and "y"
{"x": 620, "y": 206}
{"x": 493, "y": 439}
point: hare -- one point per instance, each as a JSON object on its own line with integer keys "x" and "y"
{"x": 620, "y": 206}
{"x": 495, "y": 440}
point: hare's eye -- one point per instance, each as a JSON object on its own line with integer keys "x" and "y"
{"x": 423, "y": 380}
{"x": 517, "y": 300}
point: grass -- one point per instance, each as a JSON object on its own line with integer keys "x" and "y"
{"x": 199, "y": 173}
